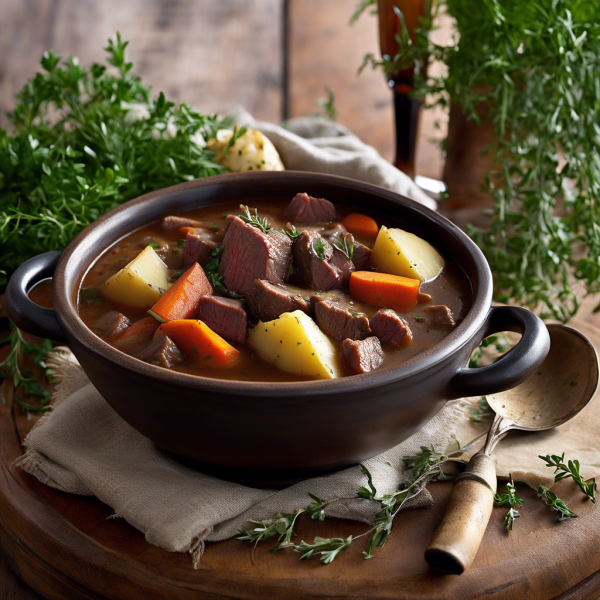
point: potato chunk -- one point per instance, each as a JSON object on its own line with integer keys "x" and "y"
{"x": 250, "y": 152}
{"x": 141, "y": 283}
{"x": 294, "y": 343}
{"x": 399, "y": 252}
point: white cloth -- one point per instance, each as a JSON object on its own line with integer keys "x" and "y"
{"x": 323, "y": 146}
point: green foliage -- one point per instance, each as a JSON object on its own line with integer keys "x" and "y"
{"x": 347, "y": 247}
{"x": 571, "y": 469}
{"x": 483, "y": 411}
{"x": 254, "y": 220}
{"x": 532, "y": 69}
{"x": 552, "y": 500}
{"x": 24, "y": 381}
{"x": 319, "y": 248}
{"x": 84, "y": 141}
{"x": 510, "y": 499}
{"x": 326, "y": 106}
{"x": 211, "y": 269}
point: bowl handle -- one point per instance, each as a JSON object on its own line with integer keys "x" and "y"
{"x": 514, "y": 367}
{"x": 25, "y": 313}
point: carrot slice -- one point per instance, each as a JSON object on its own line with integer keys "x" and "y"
{"x": 198, "y": 340}
{"x": 382, "y": 289}
{"x": 182, "y": 299}
{"x": 358, "y": 224}
{"x": 146, "y": 325}
{"x": 183, "y": 231}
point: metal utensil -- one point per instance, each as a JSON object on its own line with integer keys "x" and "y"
{"x": 563, "y": 386}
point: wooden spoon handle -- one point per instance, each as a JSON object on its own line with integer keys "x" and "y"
{"x": 456, "y": 541}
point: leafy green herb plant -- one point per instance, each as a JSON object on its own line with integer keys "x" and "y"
{"x": 531, "y": 69}
{"x": 84, "y": 140}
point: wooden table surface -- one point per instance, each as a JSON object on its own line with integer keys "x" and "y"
{"x": 272, "y": 56}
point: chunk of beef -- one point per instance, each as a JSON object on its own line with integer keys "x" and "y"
{"x": 331, "y": 271}
{"x": 391, "y": 328}
{"x": 199, "y": 243}
{"x": 225, "y": 316}
{"x": 173, "y": 222}
{"x": 361, "y": 255}
{"x": 339, "y": 321}
{"x": 337, "y": 234}
{"x": 250, "y": 254}
{"x": 267, "y": 301}
{"x": 439, "y": 316}
{"x": 363, "y": 355}
{"x": 424, "y": 298}
{"x": 334, "y": 233}
{"x": 161, "y": 351}
{"x": 306, "y": 209}
{"x": 110, "y": 325}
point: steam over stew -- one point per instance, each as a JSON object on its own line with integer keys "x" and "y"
{"x": 280, "y": 292}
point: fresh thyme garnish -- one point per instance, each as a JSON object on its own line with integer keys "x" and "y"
{"x": 212, "y": 273}
{"x": 483, "y": 411}
{"x": 345, "y": 247}
{"x": 426, "y": 466}
{"x": 238, "y": 132}
{"x": 571, "y": 469}
{"x": 328, "y": 548}
{"x": 254, "y": 219}
{"x": 552, "y": 500}
{"x": 24, "y": 380}
{"x": 319, "y": 248}
{"x": 510, "y": 499}
{"x": 154, "y": 245}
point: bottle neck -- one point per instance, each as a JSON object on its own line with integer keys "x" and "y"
{"x": 406, "y": 117}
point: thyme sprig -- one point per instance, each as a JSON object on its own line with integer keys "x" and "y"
{"x": 552, "y": 500}
{"x": 510, "y": 499}
{"x": 238, "y": 132}
{"x": 261, "y": 223}
{"x": 347, "y": 247}
{"x": 570, "y": 469}
{"x": 211, "y": 270}
{"x": 24, "y": 381}
{"x": 319, "y": 248}
{"x": 426, "y": 467}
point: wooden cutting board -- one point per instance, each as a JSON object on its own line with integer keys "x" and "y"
{"x": 64, "y": 546}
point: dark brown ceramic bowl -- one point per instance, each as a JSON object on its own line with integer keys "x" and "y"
{"x": 310, "y": 426}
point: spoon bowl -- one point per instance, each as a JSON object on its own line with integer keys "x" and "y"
{"x": 564, "y": 384}
{"x": 561, "y": 387}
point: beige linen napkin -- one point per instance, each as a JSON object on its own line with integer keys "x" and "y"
{"x": 84, "y": 447}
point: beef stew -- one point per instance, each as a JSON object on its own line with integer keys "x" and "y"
{"x": 239, "y": 271}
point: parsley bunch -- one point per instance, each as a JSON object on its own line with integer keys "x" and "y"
{"x": 85, "y": 140}
{"x": 532, "y": 70}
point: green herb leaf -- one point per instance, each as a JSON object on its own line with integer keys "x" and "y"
{"x": 571, "y": 469}
{"x": 552, "y": 500}
{"x": 346, "y": 246}
{"x": 319, "y": 248}
{"x": 509, "y": 498}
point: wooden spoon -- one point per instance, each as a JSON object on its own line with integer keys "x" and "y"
{"x": 563, "y": 386}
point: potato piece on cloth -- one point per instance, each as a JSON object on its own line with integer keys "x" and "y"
{"x": 252, "y": 151}
{"x": 295, "y": 344}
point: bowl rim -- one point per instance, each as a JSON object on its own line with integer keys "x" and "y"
{"x": 462, "y": 335}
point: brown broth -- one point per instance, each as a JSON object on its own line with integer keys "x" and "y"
{"x": 451, "y": 288}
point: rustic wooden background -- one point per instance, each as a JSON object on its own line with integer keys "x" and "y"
{"x": 272, "y": 56}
